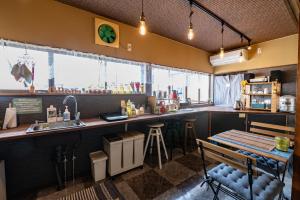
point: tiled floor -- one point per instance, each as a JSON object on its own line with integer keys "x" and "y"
{"x": 179, "y": 179}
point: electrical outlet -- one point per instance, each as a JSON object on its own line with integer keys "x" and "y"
{"x": 259, "y": 51}
{"x": 129, "y": 47}
{"x": 242, "y": 115}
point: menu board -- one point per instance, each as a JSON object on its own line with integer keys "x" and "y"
{"x": 27, "y": 105}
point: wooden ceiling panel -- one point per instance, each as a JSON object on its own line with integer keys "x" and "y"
{"x": 261, "y": 20}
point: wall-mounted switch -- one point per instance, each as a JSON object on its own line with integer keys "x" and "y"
{"x": 242, "y": 115}
{"x": 129, "y": 47}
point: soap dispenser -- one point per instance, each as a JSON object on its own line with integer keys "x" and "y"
{"x": 66, "y": 114}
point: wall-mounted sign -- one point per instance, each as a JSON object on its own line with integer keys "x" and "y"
{"x": 28, "y": 105}
{"x": 106, "y": 33}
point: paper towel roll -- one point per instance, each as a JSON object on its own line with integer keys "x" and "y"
{"x": 10, "y": 120}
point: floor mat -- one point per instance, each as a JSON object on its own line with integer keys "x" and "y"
{"x": 99, "y": 191}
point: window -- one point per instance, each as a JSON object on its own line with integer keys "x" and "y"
{"x": 73, "y": 72}
{"x": 10, "y": 56}
{"x": 197, "y": 84}
{"x": 178, "y": 82}
{"x": 160, "y": 79}
{"x": 198, "y": 87}
{"x": 117, "y": 73}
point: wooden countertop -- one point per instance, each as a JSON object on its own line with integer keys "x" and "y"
{"x": 20, "y": 132}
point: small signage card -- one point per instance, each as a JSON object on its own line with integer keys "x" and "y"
{"x": 27, "y": 105}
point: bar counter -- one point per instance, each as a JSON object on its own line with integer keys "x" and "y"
{"x": 20, "y": 131}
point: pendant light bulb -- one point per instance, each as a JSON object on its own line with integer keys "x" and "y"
{"x": 142, "y": 27}
{"x": 222, "y": 47}
{"x": 249, "y": 45}
{"x": 190, "y": 32}
{"x": 221, "y": 52}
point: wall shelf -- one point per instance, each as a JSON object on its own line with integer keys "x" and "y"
{"x": 260, "y": 83}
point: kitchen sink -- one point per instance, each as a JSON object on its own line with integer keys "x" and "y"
{"x": 40, "y": 127}
{"x": 187, "y": 109}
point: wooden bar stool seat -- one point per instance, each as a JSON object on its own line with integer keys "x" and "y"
{"x": 155, "y": 131}
{"x": 190, "y": 120}
{"x": 158, "y": 125}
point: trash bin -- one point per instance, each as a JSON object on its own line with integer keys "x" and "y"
{"x": 113, "y": 145}
{"x": 98, "y": 165}
{"x": 124, "y": 151}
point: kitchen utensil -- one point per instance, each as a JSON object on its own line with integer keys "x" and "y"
{"x": 65, "y": 166}
{"x": 237, "y": 105}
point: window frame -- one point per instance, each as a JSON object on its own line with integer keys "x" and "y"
{"x": 146, "y": 68}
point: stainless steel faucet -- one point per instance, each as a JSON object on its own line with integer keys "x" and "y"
{"x": 76, "y": 114}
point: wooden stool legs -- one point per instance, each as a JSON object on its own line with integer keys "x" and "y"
{"x": 156, "y": 132}
{"x": 189, "y": 129}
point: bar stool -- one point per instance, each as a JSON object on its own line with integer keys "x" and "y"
{"x": 155, "y": 131}
{"x": 173, "y": 127}
{"x": 189, "y": 131}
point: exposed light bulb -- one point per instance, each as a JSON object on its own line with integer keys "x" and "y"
{"x": 249, "y": 47}
{"x": 221, "y": 52}
{"x": 190, "y": 33}
{"x": 142, "y": 28}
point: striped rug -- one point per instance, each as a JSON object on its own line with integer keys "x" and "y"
{"x": 99, "y": 191}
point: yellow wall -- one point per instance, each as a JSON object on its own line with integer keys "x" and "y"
{"x": 278, "y": 52}
{"x": 47, "y": 22}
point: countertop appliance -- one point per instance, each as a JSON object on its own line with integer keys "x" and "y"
{"x": 110, "y": 117}
{"x": 287, "y": 103}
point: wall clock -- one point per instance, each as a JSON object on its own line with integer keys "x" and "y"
{"x": 106, "y": 33}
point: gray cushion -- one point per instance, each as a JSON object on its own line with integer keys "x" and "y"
{"x": 265, "y": 187}
{"x": 267, "y": 164}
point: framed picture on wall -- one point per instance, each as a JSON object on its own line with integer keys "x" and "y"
{"x": 106, "y": 33}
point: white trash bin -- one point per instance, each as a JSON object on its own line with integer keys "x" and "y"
{"x": 98, "y": 165}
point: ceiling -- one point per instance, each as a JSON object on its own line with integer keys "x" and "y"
{"x": 261, "y": 20}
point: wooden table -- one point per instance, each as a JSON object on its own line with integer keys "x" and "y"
{"x": 253, "y": 143}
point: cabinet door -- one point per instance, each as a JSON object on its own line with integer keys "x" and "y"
{"x": 221, "y": 122}
{"x": 2, "y": 181}
{"x": 201, "y": 125}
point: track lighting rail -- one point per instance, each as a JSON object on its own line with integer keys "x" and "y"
{"x": 216, "y": 17}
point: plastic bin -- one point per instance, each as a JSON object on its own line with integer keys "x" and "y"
{"x": 124, "y": 151}
{"x": 113, "y": 147}
{"x": 138, "y": 148}
{"x": 127, "y": 153}
{"x": 98, "y": 165}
